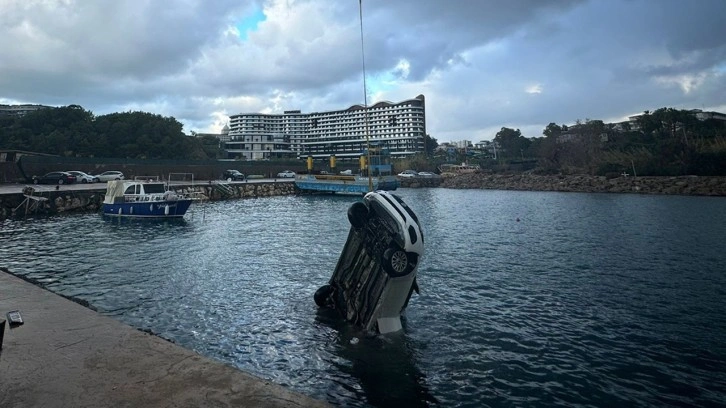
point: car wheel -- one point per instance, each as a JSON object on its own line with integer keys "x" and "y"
{"x": 35, "y": 181}
{"x": 358, "y": 214}
{"x": 84, "y": 181}
{"x": 323, "y": 295}
{"x": 60, "y": 181}
{"x": 395, "y": 262}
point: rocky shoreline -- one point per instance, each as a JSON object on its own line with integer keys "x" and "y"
{"x": 681, "y": 185}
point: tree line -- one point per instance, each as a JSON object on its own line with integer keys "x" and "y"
{"x": 665, "y": 142}
{"x": 75, "y": 132}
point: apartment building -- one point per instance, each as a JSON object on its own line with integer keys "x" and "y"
{"x": 399, "y": 127}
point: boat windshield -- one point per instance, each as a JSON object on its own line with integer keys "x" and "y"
{"x": 157, "y": 188}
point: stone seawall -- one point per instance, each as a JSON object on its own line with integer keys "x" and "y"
{"x": 682, "y": 185}
{"x": 61, "y": 201}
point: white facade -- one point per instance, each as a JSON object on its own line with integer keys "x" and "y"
{"x": 20, "y": 110}
{"x": 399, "y": 127}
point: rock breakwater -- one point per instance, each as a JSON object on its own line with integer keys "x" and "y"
{"x": 681, "y": 185}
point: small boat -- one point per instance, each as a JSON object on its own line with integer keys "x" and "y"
{"x": 463, "y": 168}
{"x": 348, "y": 184}
{"x": 375, "y": 173}
{"x": 143, "y": 199}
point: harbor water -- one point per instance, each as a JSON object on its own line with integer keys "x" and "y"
{"x": 527, "y": 298}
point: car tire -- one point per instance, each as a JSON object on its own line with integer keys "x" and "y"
{"x": 396, "y": 262}
{"x": 84, "y": 181}
{"x": 322, "y": 295}
{"x": 35, "y": 181}
{"x": 60, "y": 181}
{"x": 358, "y": 214}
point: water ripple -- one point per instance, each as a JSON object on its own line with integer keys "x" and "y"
{"x": 587, "y": 300}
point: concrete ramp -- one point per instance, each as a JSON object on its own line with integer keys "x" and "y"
{"x": 66, "y": 355}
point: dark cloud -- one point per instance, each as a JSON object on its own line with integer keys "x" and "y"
{"x": 482, "y": 65}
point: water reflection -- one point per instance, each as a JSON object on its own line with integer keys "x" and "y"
{"x": 384, "y": 365}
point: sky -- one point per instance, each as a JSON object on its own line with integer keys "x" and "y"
{"x": 481, "y": 64}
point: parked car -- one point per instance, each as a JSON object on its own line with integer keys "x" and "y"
{"x": 286, "y": 174}
{"x": 233, "y": 175}
{"x": 110, "y": 175}
{"x": 407, "y": 173}
{"x": 82, "y": 177}
{"x": 55, "y": 177}
{"x": 427, "y": 174}
{"x": 376, "y": 273}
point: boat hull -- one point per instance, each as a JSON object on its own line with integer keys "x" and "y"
{"x": 351, "y": 185}
{"x": 157, "y": 209}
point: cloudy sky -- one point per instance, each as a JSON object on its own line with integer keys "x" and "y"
{"x": 481, "y": 64}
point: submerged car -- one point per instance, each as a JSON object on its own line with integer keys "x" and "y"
{"x": 376, "y": 273}
{"x": 55, "y": 177}
{"x": 82, "y": 177}
{"x": 233, "y": 175}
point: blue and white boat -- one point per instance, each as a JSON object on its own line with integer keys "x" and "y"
{"x": 143, "y": 199}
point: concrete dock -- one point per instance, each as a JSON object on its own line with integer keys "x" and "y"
{"x": 66, "y": 355}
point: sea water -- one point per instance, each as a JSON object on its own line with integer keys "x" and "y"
{"x": 527, "y": 298}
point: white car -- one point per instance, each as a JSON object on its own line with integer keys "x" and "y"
{"x": 427, "y": 174}
{"x": 376, "y": 273}
{"x": 407, "y": 174}
{"x": 82, "y": 177}
{"x": 286, "y": 174}
{"x": 109, "y": 176}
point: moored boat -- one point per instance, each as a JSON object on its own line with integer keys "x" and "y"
{"x": 143, "y": 199}
{"x": 375, "y": 173}
{"x": 351, "y": 184}
{"x": 463, "y": 168}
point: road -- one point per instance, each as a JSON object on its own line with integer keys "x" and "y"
{"x": 15, "y": 188}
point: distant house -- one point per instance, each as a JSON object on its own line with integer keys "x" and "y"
{"x": 20, "y": 110}
{"x": 701, "y": 115}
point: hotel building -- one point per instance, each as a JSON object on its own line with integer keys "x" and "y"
{"x": 399, "y": 127}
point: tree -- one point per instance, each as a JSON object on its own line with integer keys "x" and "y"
{"x": 552, "y": 130}
{"x": 430, "y": 144}
{"x": 511, "y": 143}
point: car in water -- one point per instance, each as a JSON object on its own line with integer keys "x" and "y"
{"x": 233, "y": 175}
{"x": 407, "y": 174}
{"x": 109, "y": 176}
{"x": 55, "y": 177}
{"x": 286, "y": 174}
{"x": 82, "y": 177}
{"x": 375, "y": 275}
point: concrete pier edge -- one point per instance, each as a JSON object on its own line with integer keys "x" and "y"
{"x": 67, "y": 355}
